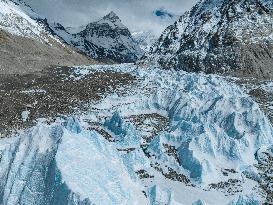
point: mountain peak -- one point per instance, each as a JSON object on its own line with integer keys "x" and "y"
{"x": 106, "y": 38}
{"x": 112, "y": 16}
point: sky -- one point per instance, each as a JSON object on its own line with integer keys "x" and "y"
{"x": 137, "y": 15}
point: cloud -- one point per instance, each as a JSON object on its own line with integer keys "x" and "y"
{"x": 135, "y": 14}
{"x": 163, "y": 13}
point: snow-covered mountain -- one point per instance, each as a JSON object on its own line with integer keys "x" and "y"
{"x": 17, "y": 18}
{"x": 145, "y": 39}
{"x": 106, "y": 38}
{"x": 223, "y": 36}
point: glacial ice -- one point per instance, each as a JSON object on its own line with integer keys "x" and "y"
{"x": 27, "y": 166}
{"x": 213, "y": 126}
{"x": 64, "y": 164}
{"x": 159, "y": 196}
{"x": 125, "y": 133}
{"x": 199, "y": 202}
{"x": 25, "y": 115}
{"x": 92, "y": 168}
{"x": 243, "y": 200}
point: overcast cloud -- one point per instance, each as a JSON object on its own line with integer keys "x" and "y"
{"x": 137, "y": 15}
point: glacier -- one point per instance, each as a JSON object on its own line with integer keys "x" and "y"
{"x": 64, "y": 164}
{"x": 222, "y": 124}
{"x": 213, "y": 134}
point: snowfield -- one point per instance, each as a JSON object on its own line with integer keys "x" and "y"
{"x": 174, "y": 139}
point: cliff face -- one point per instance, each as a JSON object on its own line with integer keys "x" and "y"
{"x": 219, "y": 36}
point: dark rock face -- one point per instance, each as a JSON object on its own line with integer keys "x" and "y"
{"x": 106, "y": 38}
{"x": 219, "y": 36}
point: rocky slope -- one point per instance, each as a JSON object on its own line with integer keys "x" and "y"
{"x": 105, "y": 39}
{"x": 26, "y": 44}
{"x": 219, "y": 36}
{"x": 20, "y": 55}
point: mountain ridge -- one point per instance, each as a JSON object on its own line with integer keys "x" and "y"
{"x": 27, "y": 44}
{"x": 227, "y": 37}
